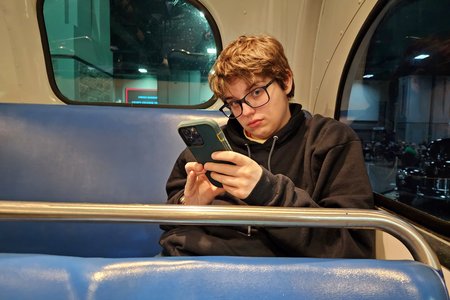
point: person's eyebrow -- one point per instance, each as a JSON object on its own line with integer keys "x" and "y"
{"x": 254, "y": 85}
{"x": 228, "y": 98}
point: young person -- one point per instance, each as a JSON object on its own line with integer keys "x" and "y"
{"x": 282, "y": 157}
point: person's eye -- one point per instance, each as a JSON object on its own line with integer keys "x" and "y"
{"x": 233, "y": 104}
{"x": 257, "y": 92}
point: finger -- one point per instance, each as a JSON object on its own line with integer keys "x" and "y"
{"x": 218, "y": 191}
{"x": 235, "y": 191}
{"x": 230, "y": 181}
{"x": 189, "y": 167}
{"x": 237, "y": 188}
{"x": 194, "y": 166}
{"x": 190, "y": 183}
{"x": 230, "y": 156}
{"x": 223, "y": 168}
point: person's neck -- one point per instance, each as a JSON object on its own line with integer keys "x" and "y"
{"x": 249, "y": 136}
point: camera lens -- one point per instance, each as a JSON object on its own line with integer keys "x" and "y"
{"x": 191, "y": 136}
{"x": 187, "y": 134}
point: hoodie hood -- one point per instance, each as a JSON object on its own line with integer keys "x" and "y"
{"x": 263, "y": 153}
{"x": 235, "y": 132}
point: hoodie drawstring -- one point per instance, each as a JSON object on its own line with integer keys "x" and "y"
{"x": 269, "y": 167}
{"x": 249, "y": 153}
{"x": 275, "y": 138}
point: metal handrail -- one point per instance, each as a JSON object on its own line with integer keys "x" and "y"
{"x": 225, "y": 215}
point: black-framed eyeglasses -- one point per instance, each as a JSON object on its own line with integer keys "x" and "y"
{"x": 255, "y": 98}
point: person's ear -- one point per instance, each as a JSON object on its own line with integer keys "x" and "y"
{"x": 288, "y": 82}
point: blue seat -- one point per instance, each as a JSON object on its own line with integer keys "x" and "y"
{"x": 93, "y": 154}
{"x": 59, "y": 277}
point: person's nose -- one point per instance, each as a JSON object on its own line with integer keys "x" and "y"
{"x": 247, "y": 109}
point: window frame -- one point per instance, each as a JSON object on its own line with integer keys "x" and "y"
{"x": 51, "y": 75}
{"x": 436, "y": 229}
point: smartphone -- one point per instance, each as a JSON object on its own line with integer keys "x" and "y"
{"x": 203, "y": 137}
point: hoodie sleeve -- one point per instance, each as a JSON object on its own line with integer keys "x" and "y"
{"x": 340, "y": 181}
{"x": 177, "y": 178}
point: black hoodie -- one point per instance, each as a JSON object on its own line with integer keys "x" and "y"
{"x": 311, "y": 162}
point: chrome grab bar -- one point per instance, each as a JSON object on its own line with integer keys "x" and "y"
{"x": 225, "y": 215}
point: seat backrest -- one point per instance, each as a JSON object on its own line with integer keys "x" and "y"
{"x": 95, "y": 154}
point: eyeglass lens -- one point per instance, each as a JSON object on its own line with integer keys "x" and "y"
{"x": 255, "y": 98}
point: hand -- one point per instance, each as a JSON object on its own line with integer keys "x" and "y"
{"x": 238, "y": 179}
{"x": 198, "y": 190}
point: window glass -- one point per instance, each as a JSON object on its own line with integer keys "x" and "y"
{"x": 150, "y": 52}
{"x": 397, "y": 98}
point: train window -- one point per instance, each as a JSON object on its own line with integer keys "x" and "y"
{"x": 396, "y": 95}
{"x": 130, "y": 52}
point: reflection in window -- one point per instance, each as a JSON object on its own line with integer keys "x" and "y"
{"x": 131, "y": 51}
{"x": 397, "y": 98}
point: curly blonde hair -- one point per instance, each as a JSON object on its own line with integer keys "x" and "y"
{"x": 249, "y": 57}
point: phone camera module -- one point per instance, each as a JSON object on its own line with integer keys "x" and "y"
{"x": 192, "y": 136}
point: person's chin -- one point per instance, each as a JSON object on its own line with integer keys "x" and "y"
{"x": 259, "y": 134}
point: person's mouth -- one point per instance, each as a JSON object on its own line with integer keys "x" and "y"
{"x": 254, "y": 123}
